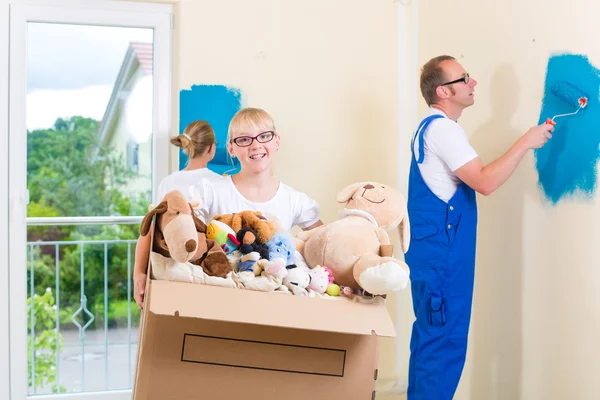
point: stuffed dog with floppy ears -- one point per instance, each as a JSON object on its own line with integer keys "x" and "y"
{"x": 357, "y": 246}
{"x": 180, "y": 235}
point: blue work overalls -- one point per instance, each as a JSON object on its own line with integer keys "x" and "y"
{"x": 441, "y": 258}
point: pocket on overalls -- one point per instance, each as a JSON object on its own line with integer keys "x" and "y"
{"x": 420, "y": 232}
{"x": 426, "y": 246}
{"x": 437, "y": 311}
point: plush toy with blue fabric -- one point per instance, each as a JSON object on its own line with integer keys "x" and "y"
{"x": 281, "y": 245}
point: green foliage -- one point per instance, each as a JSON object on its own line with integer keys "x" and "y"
{"x": 70, "y": 173}
{"x": 46, "y": 342}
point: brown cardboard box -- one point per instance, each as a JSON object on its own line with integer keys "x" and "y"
{"x": 212, "y": 343}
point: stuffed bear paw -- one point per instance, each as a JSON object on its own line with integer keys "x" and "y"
{"x": 390, "y": 275}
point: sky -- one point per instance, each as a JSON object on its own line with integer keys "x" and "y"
{"x": 71, "y": 69}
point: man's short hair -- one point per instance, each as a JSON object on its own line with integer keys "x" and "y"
{"x": 432, "y": 76}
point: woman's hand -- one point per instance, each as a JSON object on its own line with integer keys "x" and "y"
{"x": 139, "y": 288}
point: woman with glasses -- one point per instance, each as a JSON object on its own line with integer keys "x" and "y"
{"x": 253, "y": 140}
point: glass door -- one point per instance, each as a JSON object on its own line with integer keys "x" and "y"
{"x": 89, "y": 89}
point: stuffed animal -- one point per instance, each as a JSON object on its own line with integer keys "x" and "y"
{"x": 297, "y": 280}
{"x": 351, "y": 246}
{"x": 249, "y": 264}
{"x": 249, "y": 219}
{"x": 319, "y": 279}
{"x": 248, "y": 243}
{"x": 180, "y": 235}
{"x": 223, "y": 235}
{"x": 281, "y": 245}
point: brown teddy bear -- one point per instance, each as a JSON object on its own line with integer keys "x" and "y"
{"x": 357, "y": 246}
{"x": 180, "y": 235}
{"x": 249, "y": 219}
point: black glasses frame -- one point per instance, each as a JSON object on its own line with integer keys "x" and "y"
{"x": 464, "y": 79}
{"x": 253, "y": 138}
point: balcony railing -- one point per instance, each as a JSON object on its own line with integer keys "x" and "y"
{"x": 82, "y": 332}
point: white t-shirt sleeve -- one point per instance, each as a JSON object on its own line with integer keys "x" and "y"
{"x": 307, "y": 211}
{"x": 205, "y": 193}
{"x": 450, "y": 143}
{"x": 162, "y": 190}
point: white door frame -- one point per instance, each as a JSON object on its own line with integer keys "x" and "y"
{"x": 408, "y": 104}
{"x": 14, "y": 15}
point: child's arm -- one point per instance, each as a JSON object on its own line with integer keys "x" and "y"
{"x": 313, "y": 226}
{"x": 142, "y": 253}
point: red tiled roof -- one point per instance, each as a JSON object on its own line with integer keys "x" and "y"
{"x": 143, "y": 53}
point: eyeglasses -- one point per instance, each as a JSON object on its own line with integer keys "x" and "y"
{"x": 245, "y": 141}
{"x": 464, "y": 79}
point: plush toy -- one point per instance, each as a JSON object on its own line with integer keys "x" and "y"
{"x": 249, "y": 263}
{"x": 248, "y": 243}
{"x": 333, "y": 289}
{"x": 180, "y": 235}
{"x": 346, "y": 291}
{"x": 319, "y": 279}
{"x": 297, "y": 280}
{"x": 223, "y": 235}
{"x": 249, "y": 219}
{"x": 281, "y": 245}
{"x": 351, "y": 246}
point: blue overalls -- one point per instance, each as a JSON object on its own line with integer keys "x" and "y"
{"x": 441, "y": 258}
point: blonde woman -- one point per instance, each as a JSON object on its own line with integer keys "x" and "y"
{"x": 199, "y": 144}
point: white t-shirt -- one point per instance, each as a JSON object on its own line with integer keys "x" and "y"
{"x": 183, "y": 180}
{"x": 447, "y": 148}
{"x": 289, "y": 206}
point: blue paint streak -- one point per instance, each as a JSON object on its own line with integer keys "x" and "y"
{"x": 216, "y": 104}
{"x": 566, "y": 165}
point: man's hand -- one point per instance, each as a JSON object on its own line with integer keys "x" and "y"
{"x": 538, "y": 136}
{"x": 139, "y": 288}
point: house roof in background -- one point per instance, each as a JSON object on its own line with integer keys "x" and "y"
{"x": 143, "y": 53}
{"x": 138, "y": 55}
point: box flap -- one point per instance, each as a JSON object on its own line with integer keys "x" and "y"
{"x": 269, "y": 308}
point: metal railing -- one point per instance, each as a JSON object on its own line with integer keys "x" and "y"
{"x": 73, "y": 337}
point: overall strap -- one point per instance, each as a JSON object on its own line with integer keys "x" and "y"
{"x": 421, "y": 133}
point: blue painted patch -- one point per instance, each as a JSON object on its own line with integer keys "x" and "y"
{"x": 566, "y": 165}
{"x": 216, "y": 104}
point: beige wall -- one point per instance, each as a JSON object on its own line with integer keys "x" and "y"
{"x": 327, "y": 72}
{"x": 536, "y": 319}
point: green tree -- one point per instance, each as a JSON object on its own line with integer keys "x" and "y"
{"x": 69, "y": 173}
{"x": 47, "y": 342}
{"x": 68, "y": 170}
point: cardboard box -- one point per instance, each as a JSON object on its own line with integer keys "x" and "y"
{"x": 211, "y": 343}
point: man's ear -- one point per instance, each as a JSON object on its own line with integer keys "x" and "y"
{"x": 442, "y": 92}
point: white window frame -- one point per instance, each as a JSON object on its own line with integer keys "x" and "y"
{"x": 14, "y": 15}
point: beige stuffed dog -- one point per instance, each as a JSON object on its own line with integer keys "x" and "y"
{"x": 351, "y": 246}
{"x": 180, "y": 235}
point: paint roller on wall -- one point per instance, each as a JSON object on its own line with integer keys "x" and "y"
{"x": 570, "y": 95}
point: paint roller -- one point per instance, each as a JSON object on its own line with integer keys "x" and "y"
{"x": 570, "y": 95}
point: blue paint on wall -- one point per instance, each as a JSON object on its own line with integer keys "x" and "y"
{"x": 566, "y": 165}
{"x": 216, "y": 104}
